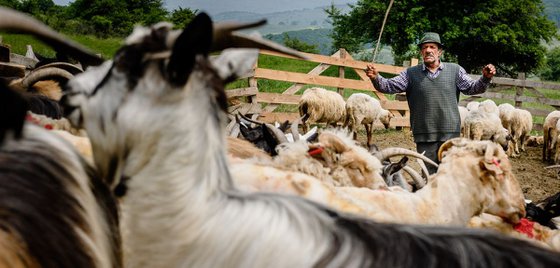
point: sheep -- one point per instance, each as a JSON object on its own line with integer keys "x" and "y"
{"x": 472, "y": 105}
{"x": 488, "y": 106}
{"x": 520, "y": 127}
{"x": 195, "y": 217}
{"x": 464, "y": 186}
{"x": 463, "y": 111}
{"x": 506, "y": 113}
{"x": 55, "y": 210}
{"x": 550, "y": 135}
{"x": 535, "y": 141}
{"x": 480, "y": 125}
{"x": 364, "y": 109}
{"x": 318, "y": 105}
{"x": 526, "y": 229}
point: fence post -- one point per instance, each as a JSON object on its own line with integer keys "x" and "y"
{"x": 341, "y": 71}
{"x": 519, "y": 91}
{"x": 253, "y": 83}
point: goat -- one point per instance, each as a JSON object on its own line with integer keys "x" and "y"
{"x": 364, "y": 109}
{"x": 55, "y": 210}
{"x": 318, "y": 105}
{"x": 144, "y": 113}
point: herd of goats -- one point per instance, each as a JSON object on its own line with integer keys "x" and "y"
{"x": 127, "y": 163}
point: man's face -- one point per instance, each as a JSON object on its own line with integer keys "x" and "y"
{"x": 430, "y": 53}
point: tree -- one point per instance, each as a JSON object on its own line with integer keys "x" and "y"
{"x": 551, "y": 70}
{"x": 507, "y": 33}
{"x": 299, "y": 45}
{"x": 182, "y": 16}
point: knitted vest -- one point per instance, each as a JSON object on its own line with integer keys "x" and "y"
{"x": 434, "y": 115}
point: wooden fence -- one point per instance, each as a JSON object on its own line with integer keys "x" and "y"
{"x": 398, "y": 107}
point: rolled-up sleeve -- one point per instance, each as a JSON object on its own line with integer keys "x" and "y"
{"x": 393, "y": 85}
{"x": 469, "y": 86}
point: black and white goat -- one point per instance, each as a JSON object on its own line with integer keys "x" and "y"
{"x": 54, "y": 210}
{"x": 145, "y": 112}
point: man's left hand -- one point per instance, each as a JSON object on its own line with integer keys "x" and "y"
{"x": 489, "y": 71}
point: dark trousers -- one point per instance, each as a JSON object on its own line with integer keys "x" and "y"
{"x": 430, "y": 150}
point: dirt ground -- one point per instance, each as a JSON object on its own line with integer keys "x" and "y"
{"x": 536, "y": 181}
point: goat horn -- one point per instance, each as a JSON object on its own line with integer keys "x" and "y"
{"x": 425, "y": 172}
{"x": 294, "y": 129}
{"x": 448, "y": 144}
{"x": 277, "y": 133}
{"x": 224, "y": 37}
{"x": 393, "y": 151}
{"x": 71, "y": 68}
{"x": 553, "y": 166}
{"x": 418, "y": 180}
{"x": 50, "y": 73}
{"x": 15, "y": 21}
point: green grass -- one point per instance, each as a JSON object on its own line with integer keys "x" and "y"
{"x": 18, "y": 42}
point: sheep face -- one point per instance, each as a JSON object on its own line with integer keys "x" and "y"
{"x": 152, "y": 83}
{"x": 502, "y": 194}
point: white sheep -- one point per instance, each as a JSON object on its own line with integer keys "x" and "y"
{"x": 364, "y": 109}
{"x": 481, "y": 125}
{"x": 506, "y": 114}
{"x": 472, "y": 105}
{"x": 550, "y": 135}
{"x": 159, "y": 134}
{"x": 488, "y": 106}
{"x": 319, "y": 105}
{"x": 521, "y": 125}
{"x": 463, "y": 111}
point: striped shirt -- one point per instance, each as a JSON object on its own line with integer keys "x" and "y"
{"x": 465, "y": 84}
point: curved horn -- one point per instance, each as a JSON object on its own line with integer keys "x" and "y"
{"x": 393, "y": 151}
{"x": 15, "y": 21}
{"x": 277, "y": 133}
{"x": 418, "y": 180}
{"x": 553, "y": 166}
{"x": 51, "y": 73}
{"x": 294, "y": 129}
{"x": 69, "y": 67}
{"x": 224, "y": 37}
{"x": 448, "y": 144}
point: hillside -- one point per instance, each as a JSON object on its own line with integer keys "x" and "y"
{"x": 279, "y": 22}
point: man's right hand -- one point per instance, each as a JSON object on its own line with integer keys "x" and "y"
{"x": 371, "y": 72}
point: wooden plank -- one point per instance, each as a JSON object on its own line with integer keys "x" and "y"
{"x": 399, "y": 122}
{"x": 340, "y": 62}
{"x": 319, "y": 69}
{"x": 11, "y": 70}
{"x": 310, "y": 79}
{"x": 242, "y": 92}
{"x": 519, "y": 83}
{"x": 277, "y": 117}
{"x": 494, "y": 95}
{"x": 277, "y": 98}
{"x": 395, "y": 105}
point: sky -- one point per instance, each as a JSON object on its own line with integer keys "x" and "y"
{"x": 257, "y": 6}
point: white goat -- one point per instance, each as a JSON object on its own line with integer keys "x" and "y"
{"x": 550, "y": 135}
{"x": 364, "y": 109}
{"x": 519, "y": 123}
{"x": 319, "y": 105}
{"x": 158, "y": 131}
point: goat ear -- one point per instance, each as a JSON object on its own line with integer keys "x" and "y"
{"x": 234, "y": 63}
{"x": 195, "y": 39}
{"x": 490, "y": 161}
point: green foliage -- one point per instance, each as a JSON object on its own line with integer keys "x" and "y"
{"x": 507, "y": 33}
{"x": 551, "y": 70}
{"x": 182, "y": 16}
{"x": 299, "y": 45}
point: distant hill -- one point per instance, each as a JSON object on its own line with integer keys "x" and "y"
{"x": 319, "y": 37}
{"x": 279, "y": 22}
{"x": 552, "y": 10}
